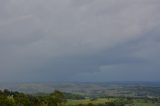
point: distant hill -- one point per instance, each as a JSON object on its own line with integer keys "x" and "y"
{"x": 132, "y": 89}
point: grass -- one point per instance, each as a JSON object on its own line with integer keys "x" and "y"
{"x": 144, "y": 104}
{"x": 104, "y": 100}
{"x": 86, "y": 101}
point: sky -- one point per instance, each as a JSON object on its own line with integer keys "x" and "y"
{"x": 79, "y": 40}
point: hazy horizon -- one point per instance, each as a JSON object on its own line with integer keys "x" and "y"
{"x": 79, "y": 40}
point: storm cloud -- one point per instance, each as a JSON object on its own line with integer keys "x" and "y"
{"x": 79, "y": 40}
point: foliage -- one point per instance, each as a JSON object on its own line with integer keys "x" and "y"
{"x": 10, "y": 98}
{"x": 58, "y": 98}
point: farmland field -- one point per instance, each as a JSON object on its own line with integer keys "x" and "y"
{"x": 86, "y": 101}
{"x": 105, "y": 100}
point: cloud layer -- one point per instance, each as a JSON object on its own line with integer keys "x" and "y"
{"x": 86, "y": 40}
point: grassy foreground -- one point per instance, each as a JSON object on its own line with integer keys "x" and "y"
{"x": 104, "y": 100}
{"x": 144, "y": 104}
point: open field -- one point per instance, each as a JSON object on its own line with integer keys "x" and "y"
{"x": 144, "y": 104}
{"x": 87, "y": 101}
{"x": 138, "y": 102}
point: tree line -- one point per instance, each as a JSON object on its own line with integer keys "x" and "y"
{"x": 56, "y": 98}
{"x": 10, "y": 98}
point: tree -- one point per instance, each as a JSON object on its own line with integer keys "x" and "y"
{"x": 56, "y": 98}
{"x": 90, "y": 104}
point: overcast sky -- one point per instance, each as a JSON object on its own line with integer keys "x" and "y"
{"x": 79, "y": 40}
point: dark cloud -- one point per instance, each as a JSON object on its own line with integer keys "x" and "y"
{"x": 65, "y": 40}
